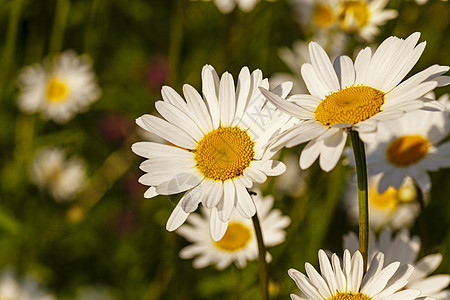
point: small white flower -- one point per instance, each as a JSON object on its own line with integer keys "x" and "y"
{"x": 227, "y": 6}
{"x": 26, "y": 288}
{"x": 405, "y": 249}
{"x": 62, "y": 177}
{"x": 396, "y": 208}
{"x": 409, "y": 146}
{"x": 349, "y": 282}
{"x": 60, "y": 88}
{"x": 220, "y": 146}
{"x": 355, "y": 96}
{"x": 239, "y": 243}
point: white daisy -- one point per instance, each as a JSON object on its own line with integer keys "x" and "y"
{"x": 396, "y": 208}
{"x": 62, "y": 177}
{"x": 239, "y": 243}
{"x": 409, "y": 146}
{"x": 349, "y": 282}
{"x": 364, "y": 16}
{"x": 405, "y": 249}
{"x": 227, "y": 6}
{"x": 220, "y": 146}
{"x": 26, "y": 288}
{"x": 354, "y": 96}
{"x": 320, "y": 15}
{"x": 60, "y": 88}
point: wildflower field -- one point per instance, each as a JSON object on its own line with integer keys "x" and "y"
{"x": 224, "y": 149}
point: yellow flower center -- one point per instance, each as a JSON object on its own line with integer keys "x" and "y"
{"x": 224, "y": 153}
{"x": 350, "y": 105}
{"x": 323, "y": 15}
{"x": 354, "y": 15}
{"x": 385, "y": 201}
{"x": 236, "y": 237}
{"x": 56, "y": 90}
{"x": 407, "y": 150}
{"x": 349, "y": 296}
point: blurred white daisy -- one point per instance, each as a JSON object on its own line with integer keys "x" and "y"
{"x": 318, "y": 15}
{"x": 220, "y": 146}
{"x": 239, "y": 243}
{"x": 409, "y": 146}
{"x": 355, "y": 96}
{"x": 422, "y": 2}
{"x": 60, "y": 176}
{"x": 396, "y": 208}
{"x": 349, "y": 282}
{"x": 59, "y": 89}
{"x": 227, "y": 6}
{"x": 27, "y": 288}
{"x": 405, "y": 249}
{"x": 363, "y": 17}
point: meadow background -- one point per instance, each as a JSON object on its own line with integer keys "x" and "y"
{"x": 110, "y": 238}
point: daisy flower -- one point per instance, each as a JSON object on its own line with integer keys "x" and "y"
{"x": 349, "y": 281}
{"x": 227, "y": 6}
{"x": 62, "y": 177}
{"x": 405, "y": 249}
{"x": 354, "y": 96}
{"x": 239, "y": 242}
{"x": 363, "y": 17}
{"x": 395, "y": 208}
{"x": 220, "y": 146}
{"x": 12, "y": 288}
{"x": 60, "y": 88}
{"x": 321, "y": 15}
{"x": 409, "y": 146}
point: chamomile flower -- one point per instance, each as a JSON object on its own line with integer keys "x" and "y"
{"x": 220, "y": 146}
{"x": 409, "y": 146}
{"x": 60, "y": 176}
{"x": 59, "y": 89}
{"x": 355, "y": 96}
{"x": 364, "y": 17}
{"x": 320, "y": 15}
{"x": 27, "y": 288}
{"x": 239, "y": 243}
{"x": 396, "y": 208}
{"x": 405, "y": 249}
{"x": 350, "y": 282}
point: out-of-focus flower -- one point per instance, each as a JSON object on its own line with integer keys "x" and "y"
{"x": 350, "y": 282}
{"x": 115, "y": 127}
{"x": 239, "y": 243}
{"x": 409, "y": 146}
{"x": 422, "y": 2}
{"x": 293, "y": 182}
{"x": 59, "y": 89}
{"x": 364, "y": 17}
{"x": 357, "y": 96}
{"x": 61, "y": 177}
{"x": 220, "y": 146}
{"x": 227, "y": 6}
{"x": 27, "y": 288}
{"x": 318, "y": 15}
{"x": 395, "y": 208}
{"x": 405, "y": 249}
{"x": 157, "y": 72}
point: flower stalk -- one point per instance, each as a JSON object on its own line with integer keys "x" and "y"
{"x": 363, "y": 200}
{"x": 262, "y": 263}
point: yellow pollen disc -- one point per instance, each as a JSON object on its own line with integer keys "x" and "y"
{"x": 323, "y": 15}
{"x": 350, "y": 105}
{"x": 236, "y": 237}
{"x": 388, "y": 200}
{"x": 407, "y": 150}
{"x": 354, "y": 15}
{"x": 349, "y": 296}
{"x": 224, "y": 153}
{"x": 56, "y": 90}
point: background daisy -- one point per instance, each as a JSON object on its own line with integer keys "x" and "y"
{"x": 27, "y": 288}
{"x": 405, "y": 249}
{"x": 409, "y": 146}
{"x": 239, "y": 243}
{"x": 221, "y": 146}
{"x": 60, "y": 176}
{"x": 355, "y": 96}
{"x": 350, "y": 282}
{"x": 60, "y": 88}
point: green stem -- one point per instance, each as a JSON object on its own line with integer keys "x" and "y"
{"x": 363, "y": 200}
{"x": 59, "y": 24}
{"x": 262, "y": 264}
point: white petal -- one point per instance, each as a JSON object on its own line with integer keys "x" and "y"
{"x": 254, "y": 174}
{"x": 216, "y": 226}
{"x": 323, "y": 67}
{"x": 318, "y": 282}
{"x": 227, "y": 100}
{"x": 285, "y": 106}
{"x": 210, "y": 83}
{"x": 362, "y": 62}
{"x": 177, "y": 218}
{"x": 327, "y": 271}
{"x": 225, "y": 207}
{"x": 213, "y": 192}
{"x": 244, "y": 202}
{"x": 332, "y": 150}
{"x": 198, "y": 108}
{"x": 243, "y": 94}
{"x": 180, "y": 183}
{"x": 345, "y": 71}
{"x": 312, "y": 81}
{"x": 310, "y": 153}
{"x": 151, "y": 149}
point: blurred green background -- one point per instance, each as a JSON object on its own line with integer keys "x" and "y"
{"x": 110, "y": 236}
